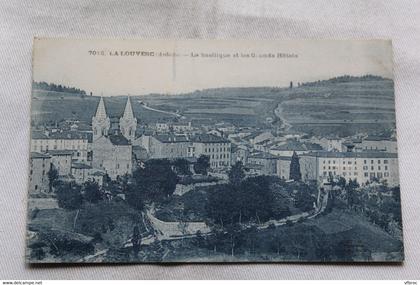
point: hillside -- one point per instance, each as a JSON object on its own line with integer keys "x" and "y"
{"x": 333, "y": 106}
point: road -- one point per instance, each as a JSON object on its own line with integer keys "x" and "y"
{"x": 159, "y": 111}
{"x": 279, "y": 113}
{"x": 174, "y": 230}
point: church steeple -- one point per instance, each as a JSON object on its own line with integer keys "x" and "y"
{"x": 128, "y": 111}
{"x": 100, "y": 122}
{"x": 101, "y": 111}
{"x": 128, "y": 123}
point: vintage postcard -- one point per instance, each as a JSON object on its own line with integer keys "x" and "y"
{"x": 213, "y": 151}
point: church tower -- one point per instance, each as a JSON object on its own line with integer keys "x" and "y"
{"x": 128, "y": 123}
{"x": 100, "y": 122}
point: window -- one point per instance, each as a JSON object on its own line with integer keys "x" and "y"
{"x": 355, "y": 174}
{"x": 366, "y": 174}
{"x": 365, "y": 167}
{"x": 344, "y": 173}
{"x": 333, "y": 161}
{"x": 379, "y": 161}
{"x": 371, "y": 161}
{"x": 379, "y": 167}
{"x": 385, "y": 161}
{"x": 386, "y": 174}
{"x": 128, "y": 166}
{"x": 365, "y": 161}
{"x": 344, "y": 168}
{"x": 118, "y": 166}
{"x": 372, "y": 168}
{"x": 386, "y": 167}
{"x": 325, "y": 173}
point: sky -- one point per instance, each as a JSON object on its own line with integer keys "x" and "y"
{"x": 141, "y": 67}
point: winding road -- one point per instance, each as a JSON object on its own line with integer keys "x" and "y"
{"x": 159, "y": 111}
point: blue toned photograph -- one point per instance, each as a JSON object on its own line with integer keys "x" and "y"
{"x": 158, "y": 151}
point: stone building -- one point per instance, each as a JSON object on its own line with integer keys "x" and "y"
{"x": 218, "y": 149}
{"x": 74, "y": 141}
{"x": 266, "y": 160}
{"x": 61, "y": 159}
{"x": 112, "y": 152}
{"x": 360, "y": 166}
{"x": 40, "y": 165}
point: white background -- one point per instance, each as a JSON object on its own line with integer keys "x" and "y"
{"x": 20, "y": 21}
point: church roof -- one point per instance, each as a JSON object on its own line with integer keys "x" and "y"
{"x": 118, "y": 140}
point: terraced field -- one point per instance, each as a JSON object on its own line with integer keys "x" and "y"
{"x": 328, "y": 108}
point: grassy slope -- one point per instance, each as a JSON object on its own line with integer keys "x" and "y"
{"x": 360, "y": 106}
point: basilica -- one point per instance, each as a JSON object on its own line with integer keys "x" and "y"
{"x": 112, "y": 146}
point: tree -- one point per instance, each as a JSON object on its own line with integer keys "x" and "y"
{"x": 236, "y": 173}
{"x": 155, "y": 181}
{"x": 69, "y": 196}
{"x": 202, "y": 165}
{"x": 92, "y": 193}
{"x": 52, "y": 177}
{"x": 295, "y": 168}
{"x": 136, "y": 240}
{"x": 182, "y": 166}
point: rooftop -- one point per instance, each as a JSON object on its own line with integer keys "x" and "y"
{"x": 263, "y": 155}
{"x": 171, "y": 138}
{"x": 208, "y": 138}
{"x": 118, "y": 140}
{"x": 78, "y": 165}
{"x": 60, "y": 152}
{"x": 35, "y": 155}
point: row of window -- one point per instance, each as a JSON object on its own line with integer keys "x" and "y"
{"x": 366, "y": 174}
{"x": 222, "y": 156}
{"x": 372, "y": 161}
{"x": 365, "y": 167}
{"x": 222, "y": 149}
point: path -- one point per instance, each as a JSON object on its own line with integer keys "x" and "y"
{"x": 173, "y": 230}
{"x": 159, "y": 111}
{"x": 279, "y": 113}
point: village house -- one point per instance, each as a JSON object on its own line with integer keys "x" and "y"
{"x": 218, "y": 149}
{"x": 83, "y": 172}
{"x": 40, "y": 165}
{"x": 267, "y": 160}
{"x": 75, "y": 141}
{"x": 61, "y": 159}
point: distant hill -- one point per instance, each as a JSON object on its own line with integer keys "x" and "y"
{"x": 343, "y": 105}
{"x": 346, "y": 79}
{"x": 44, "y": 86}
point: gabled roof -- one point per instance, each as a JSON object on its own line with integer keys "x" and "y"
{"x": 208, "y": 138}
{"x": 263, "y": 155}
{"x": 60, "y": 152}
{"x": 78, "y": 165}
{"x": 295, "y": 145}
{"x": 69, "y": 135}
{"x": 35, "y": 155}
{"x": 171, "y": 138}
{"x": 38, "y": 135}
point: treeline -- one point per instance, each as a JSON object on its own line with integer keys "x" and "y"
{"x": 57, "y": 88}
{"x": 344, "y": 79}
